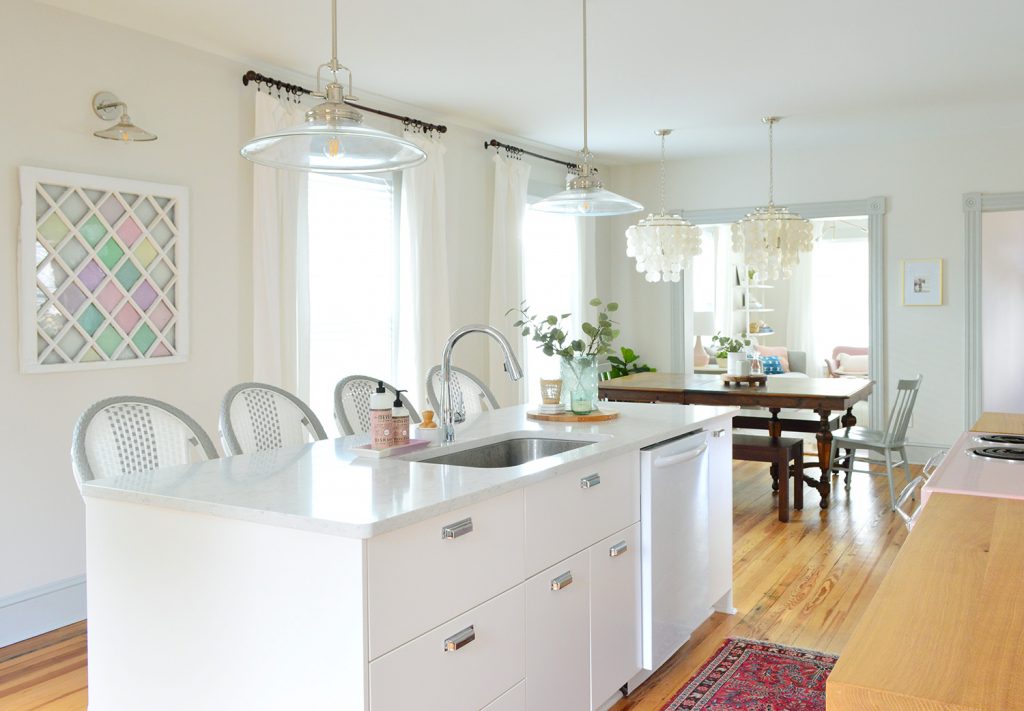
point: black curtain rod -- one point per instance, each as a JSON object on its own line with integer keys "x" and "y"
{"x": 301, "y": 90}
{"x": 517, "y": 151}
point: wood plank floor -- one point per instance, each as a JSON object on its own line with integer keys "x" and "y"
{"x": 805, "y": 583}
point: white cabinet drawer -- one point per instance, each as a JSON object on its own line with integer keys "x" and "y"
{"x": 417, "y": 579}
{"x": 512, "y": 700}
{"x": 423, "y": 675}
{"x": 576, "y": 509}
{"x": 615, "y": 655}
{"x": 558, "y": 637}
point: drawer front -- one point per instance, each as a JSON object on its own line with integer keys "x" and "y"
{"x": 424, "y": 574}
{"x": 615, "y": 655}
{"x": 577, "y": 509}
{"x": 512, "y": 700}
{"x": 464, "y": 664}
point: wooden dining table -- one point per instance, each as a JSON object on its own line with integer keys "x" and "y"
{"x": 822, "y": 395}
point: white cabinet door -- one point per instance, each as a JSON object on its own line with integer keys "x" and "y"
{"x": 558, "y": 636}
{"x": 720, "y": 513}
{"x": 614, "y": 613}
{"x": 512, "y": 700}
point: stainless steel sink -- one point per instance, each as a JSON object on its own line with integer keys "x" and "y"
{"x": 507, "y": 453}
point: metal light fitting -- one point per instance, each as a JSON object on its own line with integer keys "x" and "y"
{"x": 108, "y": 107}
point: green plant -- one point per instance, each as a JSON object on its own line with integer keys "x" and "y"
{"x": 627, "y": 364}
{"x": 724, "y": 345}
{"x": 551, "y": 336}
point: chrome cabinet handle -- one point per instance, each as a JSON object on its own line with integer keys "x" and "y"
{"x": 618, "y": 549}
{"x": 460, "y": 639}
{"x": 589, "y": 482}
{"x": 718, "y": 433}
{"x": 562, "y": 581}
{"x": 459, "y": 528}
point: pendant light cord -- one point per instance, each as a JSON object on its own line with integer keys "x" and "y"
{"x": 771, "y": 159}
{"x": 662, "y": 180}
{"x": 586, "y": 149}
{"x": 334, "y": 35}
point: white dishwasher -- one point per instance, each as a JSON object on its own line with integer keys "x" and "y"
{"x": 674, "y": 543}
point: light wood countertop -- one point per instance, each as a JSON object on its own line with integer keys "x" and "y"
{"x": 1000, "y": 423}
{"x": 946, "y": 629}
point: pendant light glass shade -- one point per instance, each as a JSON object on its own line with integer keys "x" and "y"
{"x": 771, "y": 238}
{"x": 663, "y": 245}
{"x": 333, "y": 139}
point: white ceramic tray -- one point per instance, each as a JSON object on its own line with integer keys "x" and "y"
{"x": 366, "y": 450}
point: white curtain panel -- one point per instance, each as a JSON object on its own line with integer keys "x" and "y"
{"x": 425, "y": 276}
{"x": 280, "y": 285}
{"x": 800, "y": 319}
{"x": 511, "y": 178}
{"x": 586, "y": 270}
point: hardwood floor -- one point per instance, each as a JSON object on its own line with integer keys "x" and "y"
{"x": 804, "y": 583}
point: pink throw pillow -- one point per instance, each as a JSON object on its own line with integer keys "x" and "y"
{"x": 781, "y": 351}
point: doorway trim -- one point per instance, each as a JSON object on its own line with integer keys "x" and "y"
{"x": 974, "y": 205}
{"x": 875, "y": 209}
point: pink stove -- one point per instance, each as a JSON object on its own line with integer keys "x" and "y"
{"x": 981, "y": 464}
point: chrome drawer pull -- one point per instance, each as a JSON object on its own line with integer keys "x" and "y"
{"x": 618, "y": 549}
{"x": 562, "y": 581}
{"x": 459, "y": 528}
{"x": 589, "y": 482}
{"x": 460, "y": 639}
{"x": 718, "y": 433}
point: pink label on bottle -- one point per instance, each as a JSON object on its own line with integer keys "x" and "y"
{"x": 381, "y": 428}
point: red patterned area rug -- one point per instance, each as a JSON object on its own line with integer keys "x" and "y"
{"x": 747, "y": 675}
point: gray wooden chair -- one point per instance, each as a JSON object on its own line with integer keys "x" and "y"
{"x": 887, "y": 442}
{"x": 469, "y": 394}
{"x": 128, "y": 434}
{"x": 255, "y": 417}
{"x": 352, "y": 403}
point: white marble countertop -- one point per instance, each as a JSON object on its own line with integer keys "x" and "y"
{"x": 326, "y": 487}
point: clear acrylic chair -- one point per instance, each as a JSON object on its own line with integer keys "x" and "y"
{"x": 256, "y": 417}
{"x": 469, "y": 394}
{"x": 887, "y": 442}
{"x": 352, "y": 403}
{"x": 127, "y": 434}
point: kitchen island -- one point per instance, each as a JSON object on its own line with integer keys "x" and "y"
{"x": 309, "y": 577}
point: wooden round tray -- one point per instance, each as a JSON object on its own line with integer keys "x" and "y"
{"x": 751, "y": 380}
{"x": 567, "y": 416}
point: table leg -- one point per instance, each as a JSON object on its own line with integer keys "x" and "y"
{"x": 775, "y": 424}
{"x": 824, "y": 437}
{"x": 848, "y": 420}
{"x": 798, "y": 481}
{"x": 782, "y": 464}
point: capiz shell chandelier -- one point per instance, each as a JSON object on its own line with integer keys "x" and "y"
{"x": 662, "y": 244}
{"x": 771, "y": 238}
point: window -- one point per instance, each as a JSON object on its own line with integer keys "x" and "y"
{"x": 353, "y": 283}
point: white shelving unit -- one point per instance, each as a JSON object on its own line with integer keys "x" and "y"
{"x": 742, "y": 312}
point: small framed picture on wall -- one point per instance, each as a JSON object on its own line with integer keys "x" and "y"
{"x": 922, "y": 282}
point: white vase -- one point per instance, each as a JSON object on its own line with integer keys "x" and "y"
{"x": 738, "y": 364}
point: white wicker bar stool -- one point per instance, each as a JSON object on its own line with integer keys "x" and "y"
{"x": 256, "y": 417}
{"x": 352, "y": 403}
{"x": 469, "y": 394}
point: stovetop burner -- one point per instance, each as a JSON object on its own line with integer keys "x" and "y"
{"x": 1001, "y": 439}
{"x": 1006, "y": 454}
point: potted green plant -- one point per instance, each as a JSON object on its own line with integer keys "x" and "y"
{"x": 578, "y": 356}
{"x": 627, "y": 364}
{"x": 724, "y": 345}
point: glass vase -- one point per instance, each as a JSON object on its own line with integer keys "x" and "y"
{"x": 579, "y": 384}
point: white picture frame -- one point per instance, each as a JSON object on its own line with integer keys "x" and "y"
{"x": 922, "y": 282}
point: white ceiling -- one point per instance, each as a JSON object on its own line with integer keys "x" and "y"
{"x": 840, "y": 72}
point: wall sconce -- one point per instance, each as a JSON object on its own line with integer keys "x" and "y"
{"x": 108, "y": 107}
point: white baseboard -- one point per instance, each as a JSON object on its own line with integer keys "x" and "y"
{"x": 42, "y": 609}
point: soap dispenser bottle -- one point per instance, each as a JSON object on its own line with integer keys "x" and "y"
{"x": 381, "y": 425}
{"x": 399, "y": 421}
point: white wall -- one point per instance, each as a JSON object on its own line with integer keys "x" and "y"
{"x": 923, "y": 180}
{"x": 1002, "y": 311}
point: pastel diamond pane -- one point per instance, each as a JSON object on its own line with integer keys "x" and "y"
{"x": 74, "y": 208}
{"x": 91, "y": 275}
{"x": 50, "y": 320}
{"x": 161, "y": 274}
{"x": 55, "y": 191}
{"x": 72, "y": 343}
{"x": 145, "y": 252}
{"x": 127, "y": 317}
{"x": 73, "y": 253}
{"x": 53, "y": 229}
{"x": 161, "y": 315}
{"x": 170, "y": 213}
{"x": 129, "y": 231}
{"x": 41, "y": 205}
{"x": 162, "y": 233}
{"x": 110, "y": 253}
{"x": 170, "y": 337}
{"x": 128, "y": 274}
{"x": 51, "y": 275}
{"x": 41, "y": 345}
{"x": 94, "y": 196}
{"x": 91, "y": 356}
{"x": 144, "y": 338}
{"x": 54, "y": 358}
{"x": 72, "y": 297}
{"x": 41, "y": 253}
{"x": 145, "y": 212}
{"x": 169, "y": 295}
{"x": 127, "y": 354}
{"x": 41, "y": 297}
{"x": 111, "y": 209}
{"x": 109, "y": 340}
{"x": 129, "y": 198}
{"x": 145, "y": 295}
{"x": 93, "y": 231}
{"x": 91, "y": 319}
{"x": 160, "y": 351}
{"x": 110, "y": 296}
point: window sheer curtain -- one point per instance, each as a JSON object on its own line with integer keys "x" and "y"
{"x": 511, "y": 179}
{"x": 280, "y": 285}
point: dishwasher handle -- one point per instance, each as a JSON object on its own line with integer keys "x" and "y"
{"x": 681, "y": 457}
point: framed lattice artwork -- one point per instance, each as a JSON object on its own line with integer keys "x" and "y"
{"x": 103, "y": 272}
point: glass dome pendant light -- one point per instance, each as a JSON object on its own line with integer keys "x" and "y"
{"x": 662, "y": 244}
{"x": 771, "y": 238}
{"x": 333, "y": 139}
{"x": 584, "y": 194}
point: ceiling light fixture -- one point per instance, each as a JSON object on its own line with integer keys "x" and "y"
{"x": 108, "y": 107}
{"x": 584, "y": 194}
{"x": 663, "y": 244}
{"x": 333, "y": 139}
{"x": 771, "y": 238}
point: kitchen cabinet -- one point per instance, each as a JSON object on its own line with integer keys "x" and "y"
{"x": 720, "y": 519}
